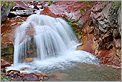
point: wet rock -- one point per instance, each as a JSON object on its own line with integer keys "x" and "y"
{"x": 4, "y": 63}
{"x": 24, "y": 68}
{"x": 13, "y": 73}
{"x": 18, "y": 76}
{"x": 30, "y": 77}
{"x": 17, "y": 79}
{"x": 42, "y": 76}
{"x": 89, "y": 44}
{"x": 18, "y": 8}
{"x": 21, "y": 13}
{"x": 28, "y": 59}
{"x": 35, "y": 77}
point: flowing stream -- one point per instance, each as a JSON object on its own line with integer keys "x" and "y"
{"x": 49, "y": 42}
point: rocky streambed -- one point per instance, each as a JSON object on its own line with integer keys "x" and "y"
{"x": 78, "y": 72}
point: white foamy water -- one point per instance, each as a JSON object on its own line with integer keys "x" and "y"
{"x": 52, "y": 42}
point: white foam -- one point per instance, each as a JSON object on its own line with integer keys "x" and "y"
{"x": 61, "y": 62}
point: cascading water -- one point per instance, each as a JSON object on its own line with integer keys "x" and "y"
{"x": 52, "y": 41}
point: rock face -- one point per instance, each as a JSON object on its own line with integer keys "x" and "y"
{"x": 106, "y": 32}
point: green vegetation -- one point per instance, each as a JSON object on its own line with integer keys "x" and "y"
{"x": 49, "y": 2}
{"x": 87, "y": 3}
{"x": 20, "y": 20}
{"x": 8, "y": 3}
{"x": 83, "y": 11}
{"x": 7, "y": 53}
{"x": 5, "y": 9}
{"x": 4, "y": 77}
{"x": 116, "y": 5}
{"x": 74, "y": 27}
{"x": 7, "y": 50}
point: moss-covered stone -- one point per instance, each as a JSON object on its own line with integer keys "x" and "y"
{"x": 7, "y": 52}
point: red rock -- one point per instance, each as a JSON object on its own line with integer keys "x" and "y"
{"x": 4, "y": 63}
{"x": 69, "y": 9}
{"x": 88, "y": 43}
{"x": 102, "y": 53}
{"x": 109, "y": 57}
{"x": 17, "y": 76}
{"x": 42, "y": 76}
{"x": 30, "y": 77}
{"x": 8, "y": 31}
{"x": 47, "y": 11}
{"x": 13, "y": 73}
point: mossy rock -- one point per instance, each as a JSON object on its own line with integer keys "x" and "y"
{"x": 7, "y": 52}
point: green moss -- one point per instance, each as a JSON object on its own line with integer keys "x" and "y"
{"x": 83, "y": 11}
{"x": 7, "y": 52}
{"x": 116, "y": 5}
{"x": 74, "y": 27}
{"x": 6, "y": 3}
{"x": 49, "y": 2}
{"x": 20, "y": 20}
{"x": 87, "y": 3}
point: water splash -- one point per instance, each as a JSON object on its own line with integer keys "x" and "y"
{"x": 53, "y": 44}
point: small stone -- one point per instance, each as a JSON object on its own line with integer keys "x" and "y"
{"x": 118, "y": 43}
{"x": 42, "y": 76}
{"x": 24, "y": 68}
{"x": 13, "y": 73}
{"x": 30, "y": 77}
{"x": 13, "y": 24}
{"x": 28, "y": 59}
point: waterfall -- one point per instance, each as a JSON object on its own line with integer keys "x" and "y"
{"x": 51, "y": 41}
